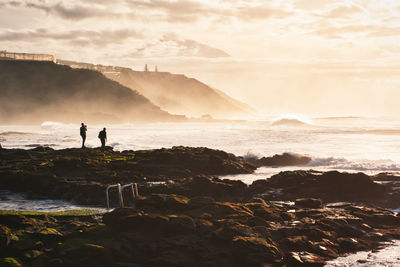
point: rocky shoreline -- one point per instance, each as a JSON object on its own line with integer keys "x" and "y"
{"x": 186, "y": 215}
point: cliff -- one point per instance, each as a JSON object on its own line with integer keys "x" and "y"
{"x": 34, "y": 91}
{"x": 174, "y": 93}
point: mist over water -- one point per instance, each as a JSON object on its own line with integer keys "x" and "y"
{"x": 348, "y": 144}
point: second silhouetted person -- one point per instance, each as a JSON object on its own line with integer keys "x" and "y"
{"x": 103, "y": 137}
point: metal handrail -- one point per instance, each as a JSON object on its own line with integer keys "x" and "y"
{"x": 134, "y": 188}
{"x": 120, "y": 200}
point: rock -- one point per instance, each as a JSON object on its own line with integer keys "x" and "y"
{"x": 201, "y": 201}
{"x": 265, "y": 212}
{"x": 81, "y": 252}
{"x": 48, "y": 235}
{"x": 164, "y": 201}
{"x": 204, "y": 226}
{"x": 171, "y": 258}
{"x": 330, "y": 186}
{"x": 181, "y": 224}
{"x": 226, "y": 209}
{"x": 305, "y": 258}
{"x": 285, "y": 159}
{"x": 349, "y": 244}
{"x": 230, "y": 228}
{"x": 33, "y": 254}
{"x": 309, "y": 203}
{"x": 83, "y": 174}
{"x": 5, "y": 236}
{"x": 126, "y": 219}
{"x": 173, "y": 230}
{"x": 254, "y": 251}
{"x": 9, "y": 262}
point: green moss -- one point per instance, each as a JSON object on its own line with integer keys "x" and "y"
{"x": 50, "y": 231}
{"x": 79, "y": 212}
{"x": 47, "y": 163}
{"x": 9, "y": 262}
{"x": 78, "y": 243}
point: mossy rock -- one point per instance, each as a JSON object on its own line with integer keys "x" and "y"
{"x": 9, "y": 262}
{"x": 84, "y": 252}
{"x": 72, "y": 213}
{"x": 24, "y": 242}
{"x": 48, "y": 235}
{"x": 33, "y": 254}
{"x": 6, "y": 236}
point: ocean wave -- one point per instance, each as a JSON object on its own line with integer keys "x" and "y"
{"x": 41, "y": 145}
{"x": 53, "y": 125}
{"x": 361, "y": 165}
{"x": 14, "y": 133}
{"x": 115, "y": 144}
{"x": 377, "y": 131}
{"x": 252, "y": 155}
{"x": 342, "y": 118}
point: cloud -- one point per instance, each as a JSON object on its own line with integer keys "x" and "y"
{"x": 69, "y": 11}
{"x": 190, "y": 11}
{"x": 343, "y": 11}
{"x": 261, "y": 12}
{"x": 192, "y": 48}
{"x": 177, "y": 11}
{"x": 312, "y": 4}
{"x": 385, "y": 32}
{"x": 374, "y": 31}
{"x": 171, "y": 45}
{"x": 95, "y": 38}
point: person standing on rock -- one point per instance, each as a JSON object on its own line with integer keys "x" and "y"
{"x": 83, "y": 130}
{"x": 103, "y": 138}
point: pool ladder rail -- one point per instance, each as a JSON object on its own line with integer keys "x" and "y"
{"x": 120, "y": 189}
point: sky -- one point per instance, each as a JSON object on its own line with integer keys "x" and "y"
{"x": 314, "y": 57}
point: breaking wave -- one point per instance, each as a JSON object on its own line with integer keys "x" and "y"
{"x": 53, "y": 125}
{"x": 14, "y": 133}
{"x": 252, "y": 155}
{"x": 360, "y": 165}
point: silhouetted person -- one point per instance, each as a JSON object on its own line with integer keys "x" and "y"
{"x": 83, "y": 133}
{"x": 103, "y": 137}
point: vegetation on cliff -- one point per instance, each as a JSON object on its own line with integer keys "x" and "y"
{"x": 33, "y": 91}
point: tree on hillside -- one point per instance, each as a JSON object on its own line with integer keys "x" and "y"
{"x": 146, "y": 68}
{"x": 156, "y": 69}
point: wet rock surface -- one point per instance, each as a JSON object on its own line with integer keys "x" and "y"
{"x": 174, "y": 230}
{"x": 83, "y": 174}
{"x": 329, "y": 186}
{"x": 188, "y": 217}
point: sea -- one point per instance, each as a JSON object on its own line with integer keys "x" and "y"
{"x": 351, "y": 144}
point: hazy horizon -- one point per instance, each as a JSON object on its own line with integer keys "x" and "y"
{"x": 317, "y": 58}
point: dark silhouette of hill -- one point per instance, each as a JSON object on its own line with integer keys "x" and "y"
{"x": 33, "y": 91}
{"x": 174, "y": 93}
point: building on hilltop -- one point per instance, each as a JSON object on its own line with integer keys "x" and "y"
{"x": 4, "y": 55}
